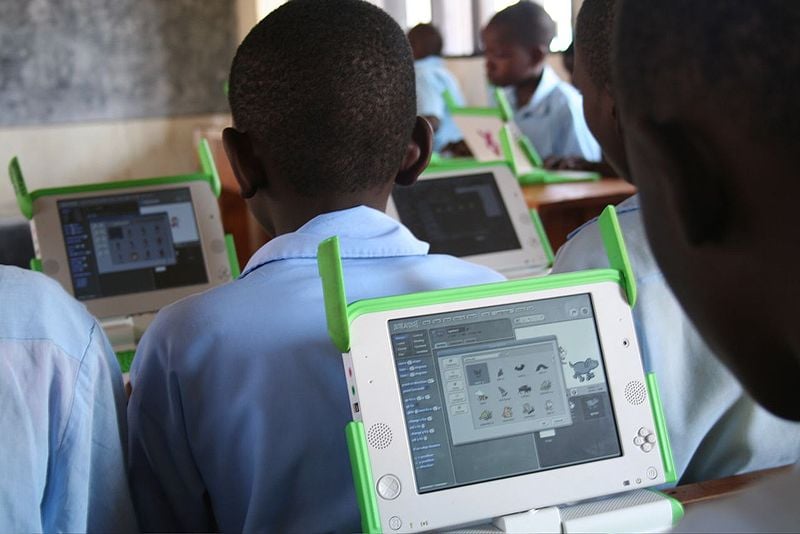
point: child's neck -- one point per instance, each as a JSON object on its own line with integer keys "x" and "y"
{"x": 524, "y": 90}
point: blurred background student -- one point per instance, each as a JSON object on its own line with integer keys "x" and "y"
{"x": 433, "y": 79}
{"x": 547, "y": 109}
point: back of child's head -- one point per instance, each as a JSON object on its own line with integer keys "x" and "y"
{"x": 708, "y": 97}
{"x": 325, "y": 90}
{"x": 525, "y": 23}
{"x": 593, "y": 28}
{"x": 737, "y": 56}
{"x": 425, "y": 41}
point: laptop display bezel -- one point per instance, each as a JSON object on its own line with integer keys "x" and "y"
{"x": 52, "y": 249}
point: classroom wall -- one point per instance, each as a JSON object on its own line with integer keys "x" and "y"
{"x": 109, "y": 89}
{"x": 104, "y": 151}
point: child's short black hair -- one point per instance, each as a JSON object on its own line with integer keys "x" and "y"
{"x": 526, "y": 23}
{"x": 736, "y": 58}
{"x": 428, "y": 35}
{"x": 326, "y": 89}
{"x": 593, "y": 29}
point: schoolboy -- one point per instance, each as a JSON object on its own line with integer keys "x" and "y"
{"x": 707, "y": 95}
{"x": 62, "y": 414}
{"x": 547, "y": 109}
{"x": 715, "y": 428}
{"x": 239, "y": 399}
{"x": 433, "y": 79}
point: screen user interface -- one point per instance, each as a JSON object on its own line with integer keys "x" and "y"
{"x": 460, "y": 215}
{"x": 505, "y": 390}
{"x": 129, "y": 243}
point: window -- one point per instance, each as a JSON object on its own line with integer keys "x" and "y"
{"x": 459, "y": 21}
{"x": 559, "y": 10}
{"x": 417, "y": 12}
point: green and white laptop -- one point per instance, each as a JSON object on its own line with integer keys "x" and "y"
{"x": 492, "y": 136}
{"x": 126, "y": 249}
{"x": 477, "y": 213}
{"x": 521, "y": 406}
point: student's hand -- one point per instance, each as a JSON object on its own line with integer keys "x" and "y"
{"x": 459, "y": 149}
{"x": 575, "y": 163}
{"x": 567, "y": 163}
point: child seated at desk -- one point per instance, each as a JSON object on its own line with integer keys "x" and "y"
{"x": 715, "y": 428}
{"x": 433, "y": 79}
{"x": 707, "y": 93}
{"x": 239, "y": 399}
{"x": 546, "y": 109}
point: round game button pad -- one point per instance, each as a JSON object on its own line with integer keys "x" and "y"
{"x": 389, "y": 487}
{"x": 645, "y": 439}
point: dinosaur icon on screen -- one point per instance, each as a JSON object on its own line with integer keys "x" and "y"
{"x": 583, "y": 370}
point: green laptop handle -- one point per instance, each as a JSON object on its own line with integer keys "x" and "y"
{"x": 26, "y": 198}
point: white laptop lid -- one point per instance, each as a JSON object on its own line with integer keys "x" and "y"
{"x": 478, "y": 214}
{"x": 132, "y": 250}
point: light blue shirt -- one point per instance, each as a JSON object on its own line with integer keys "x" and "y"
{"x": 433, "y": 79}
{"x": 62, "y": 414}
{"x": 239, "y": 399}
{"x": 715, "y": 428}
{"x": 553, "y": 119}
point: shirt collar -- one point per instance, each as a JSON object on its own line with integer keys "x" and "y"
{"x": 363, "y": 233}
{"x": 547, "y": 84}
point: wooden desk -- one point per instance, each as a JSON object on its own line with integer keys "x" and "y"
{"x": 689, "y": 494}
{"x": 564, "y": 207}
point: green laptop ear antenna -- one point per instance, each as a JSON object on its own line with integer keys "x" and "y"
{"x": 502, "y": 103}
{"x": 208, "y": 166}
{"x": 616, "y": 251}
{"x": 505, "y": 145}
{"x": 531, "y": 152}
{"x": 24, "y": 200}
{"x": 449, "y": 101}
{"x": 329, "y": 263}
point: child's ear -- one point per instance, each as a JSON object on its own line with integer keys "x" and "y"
{"x": 246, "y": 167}
{"x": 418, "y": 153}
{"x": 697, "y": 184}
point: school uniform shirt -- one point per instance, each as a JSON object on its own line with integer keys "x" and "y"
{"x": 715, "y": 428}
{"x": 62, "y": 414}
{"x": 239, "y": 399}
{"x": 433, "y": 79}
{"x": 553, "y": 119}
{"x": 769, "y": 506}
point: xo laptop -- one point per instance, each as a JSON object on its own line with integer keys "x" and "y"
{"x": 126, "y": 249}
{"x": 477, "y": 213}
{"x": 520, "y": 403}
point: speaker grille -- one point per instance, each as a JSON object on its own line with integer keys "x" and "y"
{"x": 379, "y": 436}
{"x": 635, "y": 392}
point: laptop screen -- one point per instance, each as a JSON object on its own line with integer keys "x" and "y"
{"x": 128, "y": 243}
{"x": 501, "y": 391}
{"x": 459, "y": 215}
